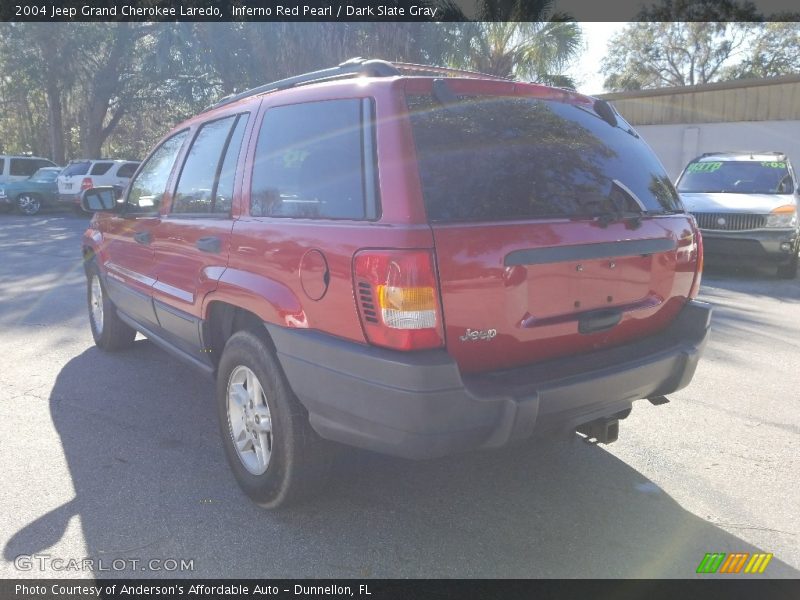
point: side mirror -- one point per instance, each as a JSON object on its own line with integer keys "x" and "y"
{"x": 100, "y": 199}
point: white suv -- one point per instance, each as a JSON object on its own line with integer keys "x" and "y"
{"x": 17, "y": 168}
{"x": 80, "y": 175}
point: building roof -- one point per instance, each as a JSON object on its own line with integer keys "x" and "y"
{"x": 766, "y": 99}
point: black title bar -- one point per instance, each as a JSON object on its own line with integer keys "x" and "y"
{"x": 731, "y": 588}
{"x": 397, "y": 10}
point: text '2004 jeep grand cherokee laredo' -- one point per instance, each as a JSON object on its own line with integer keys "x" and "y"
{"x": 414, "y": 265}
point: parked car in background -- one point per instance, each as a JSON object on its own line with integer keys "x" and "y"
{"x": 412, "y": 265}
{"x": 30, "y": 195}
{"x": 17, "y": 168}
{"x": 745, "y": 204}
{"x": 80, "y": 175}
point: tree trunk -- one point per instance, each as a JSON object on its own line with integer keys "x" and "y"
{"x": 104, "y": 87}
{"x": 55, "y": 128}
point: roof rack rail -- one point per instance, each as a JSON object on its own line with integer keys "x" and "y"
{"x": 416, "y": 68}
{"x": 354, "y": 67}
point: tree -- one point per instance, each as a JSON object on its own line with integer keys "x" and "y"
{"x": 660, "y": 54}
{"x": 689, "y": 42}
{"x": 537, "y": 51}
{"x": 38, "y": 58}
{"x": 774, "y": 51}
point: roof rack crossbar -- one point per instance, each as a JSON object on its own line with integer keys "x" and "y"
{"x": 350, "y": 68}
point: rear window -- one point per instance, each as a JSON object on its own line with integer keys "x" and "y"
{"x": 737, "y": 177}
{"x": 76, "y": 168}
{"x": 101, "y": 168}
{"x": 495, "y": 158}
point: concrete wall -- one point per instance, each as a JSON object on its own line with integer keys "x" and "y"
{"x": 676, "y": 145}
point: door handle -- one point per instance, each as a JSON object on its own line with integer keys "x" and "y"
{"x": 143, "y": 237}
{"x": 600, "y": 320}
{"x": 209, "y": 244}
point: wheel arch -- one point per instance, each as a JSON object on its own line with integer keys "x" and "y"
{"x": 222, "y": 320}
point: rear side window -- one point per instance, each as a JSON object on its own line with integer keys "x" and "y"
{"x": 206, "y": 181}
{"x": 147, "y": 190}
{"x": 101, "y": 168}
{"x": 2, "y": 165}
{"x": 737, "y": 177}
{"x": 315, "y": 160}
{"x": 24, "y": 166}
{"x": 76, "y": 168}
{"x": 225, "y": 184}
{"x": 493, "y": 158}
{"x": 127, "y": 170}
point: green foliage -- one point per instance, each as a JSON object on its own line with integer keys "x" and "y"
{"x": 535, "y": 51}
{"x": 774, "y": 50}
{"x": 689, "y": 42}
{"x": 83, "y": 90}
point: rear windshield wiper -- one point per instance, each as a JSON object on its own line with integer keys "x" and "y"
{"x": 632, "y": 219}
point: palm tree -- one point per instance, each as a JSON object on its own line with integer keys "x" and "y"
{"x": 535, "y": 51}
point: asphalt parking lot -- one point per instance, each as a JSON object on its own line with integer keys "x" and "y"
{"x": 117, "y": 456}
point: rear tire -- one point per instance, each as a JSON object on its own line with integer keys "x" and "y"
{"x": 275, "y": 455}
{"x": 108, "y": 330}
{"x": 789, "y": 270}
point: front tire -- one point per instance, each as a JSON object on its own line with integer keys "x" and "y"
{"x": 275, "y": 455}
{"x": 108, "y": 330}
{"x": 789, "y": 270}
{"x": 29, "y": 204}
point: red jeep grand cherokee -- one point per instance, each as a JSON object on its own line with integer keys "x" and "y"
{"x": 416, "y": 265}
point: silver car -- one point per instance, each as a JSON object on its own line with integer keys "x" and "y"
{"x": 745, "y": 204}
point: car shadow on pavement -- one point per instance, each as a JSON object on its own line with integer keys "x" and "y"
{"x": 139, "y": 433}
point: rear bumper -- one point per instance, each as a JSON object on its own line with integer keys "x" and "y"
{"x": 757, "y": 246}
{"x": 418, "y": 405}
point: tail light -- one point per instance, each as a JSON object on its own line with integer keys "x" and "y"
{"x": 86, "y": 184}
{"x": 397, "y": 299}
{"x": 698, "y": 274}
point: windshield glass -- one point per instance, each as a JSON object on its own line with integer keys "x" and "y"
{"x": 45, "y": 175}
{"x": 738, "y": 177}
{"x": 494, "y": 158}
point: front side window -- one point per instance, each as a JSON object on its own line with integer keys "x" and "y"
{"x": 314, "y": 160}
{"x": 737, "y": 177}
{"x": 147, "y": 190}
{"x": 494, "y": 158}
